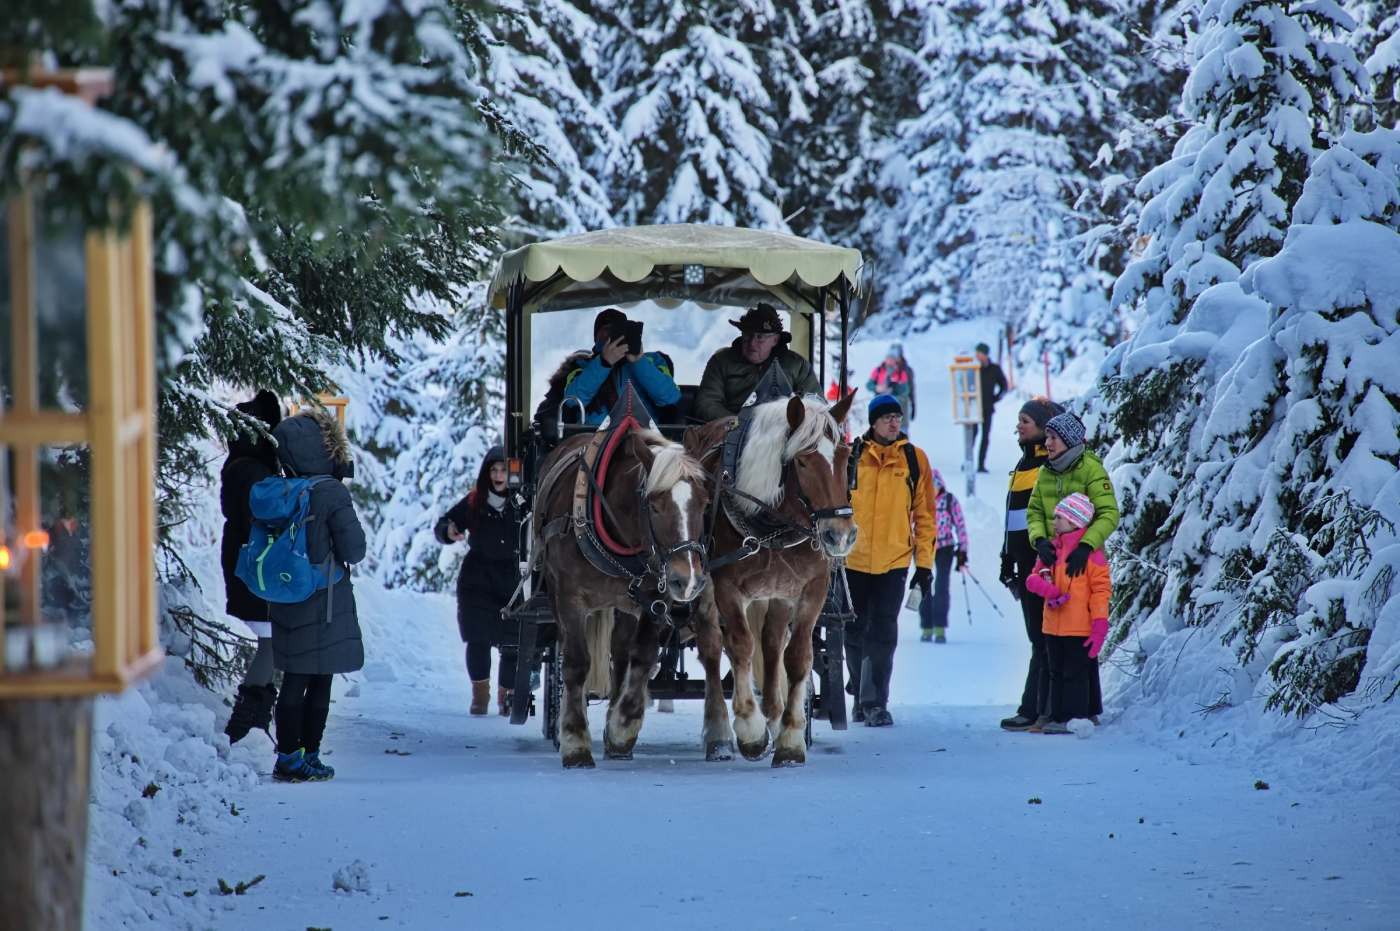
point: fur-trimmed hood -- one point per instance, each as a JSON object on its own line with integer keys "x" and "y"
{"x": 311, "y": 443}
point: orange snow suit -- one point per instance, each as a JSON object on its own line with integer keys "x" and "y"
{"x": 1088, "y": 593}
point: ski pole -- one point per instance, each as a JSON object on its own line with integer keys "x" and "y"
{"x": 986, "y": 595}
{"x": 967, "y": 599}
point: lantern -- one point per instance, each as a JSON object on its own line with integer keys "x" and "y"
{"x": 77, "y": 452}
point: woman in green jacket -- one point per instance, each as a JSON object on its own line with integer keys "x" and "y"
{"x": 1070, "y": 468}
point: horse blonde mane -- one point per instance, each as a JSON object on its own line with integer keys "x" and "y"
{"x": 768, "y": 447}
{"x": 670, "y": 465}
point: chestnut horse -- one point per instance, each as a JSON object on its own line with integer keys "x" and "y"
{"x": 790, "y": 507}
{"x": 653, "y": 504}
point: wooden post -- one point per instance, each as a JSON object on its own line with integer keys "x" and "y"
{"x": 46, "y": 745}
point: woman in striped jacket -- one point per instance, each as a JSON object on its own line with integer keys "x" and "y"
{"x": 1018, "y": 557}
{"x": 950, "y": 547}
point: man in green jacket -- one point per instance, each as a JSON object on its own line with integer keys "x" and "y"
{"x": 732, "y": 373}
{"x": 1070, "y": 468}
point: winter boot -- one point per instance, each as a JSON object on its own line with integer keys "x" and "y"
{"x": 940, "y": 635}
{"x": 1039, "y": 725}
{"x": 1055, "y": 727}
{"x": 503, "y": 695}
{"x": 313, "y": 759}
{"x": 293, "y": 767}
{"x": 252, "y": 708}
{"x": 481, "y": 696}
{"x": 926, "y": 636}
{"x": 1017, "y": 722}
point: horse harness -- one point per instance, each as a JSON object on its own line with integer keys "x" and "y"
{"x": 767, "y": 527}
{"x": 643, "y": 566}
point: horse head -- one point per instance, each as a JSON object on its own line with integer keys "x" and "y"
{"x": 819, "y": 460}
{"x": 674, "y": 489}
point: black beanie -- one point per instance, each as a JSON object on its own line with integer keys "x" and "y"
{"x": 606, "y": 318}
{"x": 265, "y": 407}
{"x": 1041, "y": 410}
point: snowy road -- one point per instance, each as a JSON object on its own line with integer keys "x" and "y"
{"x": 471, "y": 823}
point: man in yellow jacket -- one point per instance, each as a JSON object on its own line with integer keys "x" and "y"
{"x": 893, "y": 504}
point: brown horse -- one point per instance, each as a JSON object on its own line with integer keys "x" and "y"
{"x": 791, "y": 486}
{"x": 653, "y": 505}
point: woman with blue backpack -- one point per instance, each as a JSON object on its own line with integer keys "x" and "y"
{"x": 315, "y": 638}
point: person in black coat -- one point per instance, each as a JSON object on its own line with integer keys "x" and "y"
{"x": 314, "y": 639}
{"x": 993, "y": 386}
{"x": 489, "y": 522}
{"x": 252, "y": 457}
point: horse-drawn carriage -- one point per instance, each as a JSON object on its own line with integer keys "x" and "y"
{"x": 651, "y": 512}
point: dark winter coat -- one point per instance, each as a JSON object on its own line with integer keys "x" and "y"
{"x": 491, "y": 569}
{"x": 303, "y": 640}
{"x": 729, "y": 379}
{"x": 250, "y": 460}
{"x": 1016, "y": 545}
{"x": 992, "y": 388}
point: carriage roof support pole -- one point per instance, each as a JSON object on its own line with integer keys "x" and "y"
{"x": 821, "y": 323}
{"x": 845, "y": 309}
{"x": 515, "y": 365}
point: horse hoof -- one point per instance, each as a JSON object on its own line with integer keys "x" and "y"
{"x": 719, "y": 751}
{"x": 785, "y": 757}
{"x": 754, "y": 751}
{"x": 611, "y": 753}
{"x": 582, "y": 759}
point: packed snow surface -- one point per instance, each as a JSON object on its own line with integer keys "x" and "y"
{"x": 1166, "y": 816}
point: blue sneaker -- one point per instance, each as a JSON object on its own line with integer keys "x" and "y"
{"x": 294, "y": 767}
{"x": 323, "y": 771}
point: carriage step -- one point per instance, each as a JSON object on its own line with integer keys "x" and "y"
{"x": 537, "y": 609}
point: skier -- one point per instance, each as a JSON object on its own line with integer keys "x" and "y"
{"x": 992, "y": 388}
{"x": 894, "y": 377}
{"x": 893, "y": 504}
{"x": 1076, "y": 615}
{"x": 950, "y": 550}
{"x": 1017, "y": 558}
{"x": 250, "y": 460}
{"x": 488, "y": 520}
{"x": 732, "y": 373}
{"x": 314, "y": 639}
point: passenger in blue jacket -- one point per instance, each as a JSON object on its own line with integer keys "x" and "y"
{"x": 598, "y": 379}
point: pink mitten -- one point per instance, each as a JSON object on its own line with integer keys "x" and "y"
{"x": 1098, "y": 633}
{"x": 1058, "y": 599}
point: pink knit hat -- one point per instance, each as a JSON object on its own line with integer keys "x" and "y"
{"x": 1076, "y": 508}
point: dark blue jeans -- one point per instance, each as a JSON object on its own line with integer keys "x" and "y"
{"x": 933, "y": 612}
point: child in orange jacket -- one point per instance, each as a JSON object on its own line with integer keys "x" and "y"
{"x": 1076, "y": 615}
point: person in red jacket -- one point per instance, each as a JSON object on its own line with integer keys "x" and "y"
{"x": 1076, "y": 616}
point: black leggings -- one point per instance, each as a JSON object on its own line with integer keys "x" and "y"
{"x": 479, "y": 664}
{"x": 302, "y": 708}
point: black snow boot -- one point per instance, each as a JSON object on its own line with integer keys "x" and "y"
{"x": 252, "y": 708}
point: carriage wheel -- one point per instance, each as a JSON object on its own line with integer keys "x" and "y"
{"x": 553, "y": 693}
{"x": 524, "y": 665}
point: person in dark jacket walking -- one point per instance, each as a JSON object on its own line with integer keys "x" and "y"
{"x": 992, "y": 388}
{"x": 1018, "y": 557}
{"x": 251, "y": 458}
{"x": 489, "y": 522}
{"x": 314, "y": 639}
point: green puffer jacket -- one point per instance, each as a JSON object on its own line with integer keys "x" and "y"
{"x": 1088, "y": 477}
{"x": 729, "y": 379}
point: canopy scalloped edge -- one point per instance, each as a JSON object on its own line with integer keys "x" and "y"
{"x": 632, "y": 253}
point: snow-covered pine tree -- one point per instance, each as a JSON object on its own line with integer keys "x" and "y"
{"x": 1311, "y": 565}
{"x": 1376, "y": 40}
{"x": 544, "y": 70}
{"x": 1016, "y": 94}
{"x": 688, "y": 91}
{"x": 1261, "y": 94}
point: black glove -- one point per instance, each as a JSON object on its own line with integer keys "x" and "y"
{"x": 1078, "y": 559}
{"x": 923, "y": 579}
{"x": 1008, "y": 573}
{"x": 960, "y": 558}
{"x": 1046, "y": 551}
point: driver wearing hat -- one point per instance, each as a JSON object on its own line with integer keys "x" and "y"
{"x": 732, "y": 373}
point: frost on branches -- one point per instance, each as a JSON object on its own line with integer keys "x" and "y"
{"x": 1255, "y": 430}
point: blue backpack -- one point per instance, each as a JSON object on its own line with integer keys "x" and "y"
{"x": 274, "y": 563}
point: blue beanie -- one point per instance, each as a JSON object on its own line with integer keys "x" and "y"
{"x": 1068, "y": 428}
{"x": 883, "y": 404}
